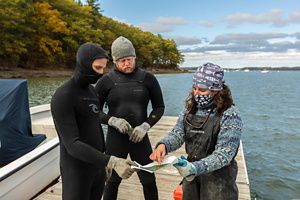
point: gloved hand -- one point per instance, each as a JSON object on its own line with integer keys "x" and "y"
{"x": 120, "y": 124}
{"x": 139, "y": 132}
{"x": 185, "y": 168}
{"x": 121, "y": 166}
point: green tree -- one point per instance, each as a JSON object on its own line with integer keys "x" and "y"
{"x": 95, "y": 6}
{"x": 15, "y": 30}
{"x": 49, "y": 32}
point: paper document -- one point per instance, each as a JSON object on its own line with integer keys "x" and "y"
{"x": 152, "y": 167}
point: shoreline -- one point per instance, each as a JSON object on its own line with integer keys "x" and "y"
{"x": 15, "y": 73}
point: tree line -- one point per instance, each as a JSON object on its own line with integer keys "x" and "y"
{"x": 48, "y": 33}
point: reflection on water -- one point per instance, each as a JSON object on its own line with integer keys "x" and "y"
{"x": 42, "y": 89}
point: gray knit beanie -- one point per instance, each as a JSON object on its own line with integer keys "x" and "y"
{"x": 122, "y": 47}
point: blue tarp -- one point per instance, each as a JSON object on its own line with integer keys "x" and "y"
{"x": 16, "y": 138}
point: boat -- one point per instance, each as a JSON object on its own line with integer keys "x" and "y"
{"x": 28, "y": 174}
{"x": 264, "y": 71}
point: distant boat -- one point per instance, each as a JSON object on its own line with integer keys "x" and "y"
{"x": 264, "y": 71}
{"x": 246, "y": 70}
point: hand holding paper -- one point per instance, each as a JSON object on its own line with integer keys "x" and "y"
{"x": 152, "y": 167}
{"x": 159, "y": 153}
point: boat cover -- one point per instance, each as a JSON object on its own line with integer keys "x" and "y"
{"x": 16, "y": 138}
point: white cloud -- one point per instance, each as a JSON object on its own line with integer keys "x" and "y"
{"x": 121, "y": 20}
{"x": 274, "y": 17}
{"x": 163, "y": 24}
{"x": 207, "y": 23}
{"x": 242, "y": 59}
{"x": 250, "y": 42}
{"x": 155, "y": 28}
{"x": 295, "y": 17}
{"x": 246, "y": 50}
{"x": 170, "y": 21}
{"x": 184, "y": 40}
{"x": 252, "y": 38}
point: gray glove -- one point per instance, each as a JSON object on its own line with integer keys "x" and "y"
{"x": 121, "y": 166}
{"x": 120, "y": 124}
{"x": 139, "y": 132}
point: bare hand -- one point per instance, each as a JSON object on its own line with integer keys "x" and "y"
{"x": 159, "y": 153}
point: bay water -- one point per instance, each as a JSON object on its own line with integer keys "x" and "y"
{"x": 269, "y": 104}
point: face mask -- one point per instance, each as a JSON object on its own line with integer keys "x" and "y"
{"x": 91, "y": 79}
{"x": 86, "y": 79}
{"x": 204, "y": 101}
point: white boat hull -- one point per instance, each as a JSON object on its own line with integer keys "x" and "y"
{"x": 25, "y": 177}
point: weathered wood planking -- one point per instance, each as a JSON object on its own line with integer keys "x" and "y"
{"x": 167, "y": 179}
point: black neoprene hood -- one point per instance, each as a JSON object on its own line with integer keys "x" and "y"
{"x": 85, "y": 56}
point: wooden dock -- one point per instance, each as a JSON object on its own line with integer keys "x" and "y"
{"x": 167, "y": 179}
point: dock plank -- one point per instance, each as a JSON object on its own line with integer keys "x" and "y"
{"x": 167, "y": 179}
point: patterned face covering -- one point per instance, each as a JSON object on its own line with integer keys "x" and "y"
{"x": 203, "y": 101}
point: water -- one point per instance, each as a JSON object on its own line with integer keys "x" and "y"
{"x": 270, "y": 108}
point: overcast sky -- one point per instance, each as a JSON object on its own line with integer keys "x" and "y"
{"x": 231, "y": 33}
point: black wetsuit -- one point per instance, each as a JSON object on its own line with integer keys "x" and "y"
{"x": 75, "y": 110}
{"x": 127, "y": 96}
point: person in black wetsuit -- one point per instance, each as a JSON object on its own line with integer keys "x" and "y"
{"x": 75, "y": 111}
{"x": 127, "y": 91}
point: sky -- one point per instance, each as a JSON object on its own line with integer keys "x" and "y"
{"x": 231, "y": 33}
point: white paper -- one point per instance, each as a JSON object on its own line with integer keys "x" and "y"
{"x": 152, "y": 167}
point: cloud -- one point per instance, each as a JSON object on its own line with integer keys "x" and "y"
{"x": 295, "y": 17}
{"x": 241, "y": 59}
{"x": 207, "y": 23}
{"x": 251, "y": 42}
{"x": 121, "y": 20}
{"x": 248, "y": 38}
{"x": 155, "y": 28}
{"x": 274, "y": 17}
{"x": 163, "y": 24}
{"x": 182, "y": 40}
{"x": 297, "y": 35}
{"x": 170, "y": 21}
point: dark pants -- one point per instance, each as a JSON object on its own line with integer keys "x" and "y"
{"x": 217, "y": 185}
{"x": 119, "y": 145}
{"x": 83, "y": 184}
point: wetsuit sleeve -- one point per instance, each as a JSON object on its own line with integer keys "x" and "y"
{"x": 158, "y": 106}
{"x": 65, "y": 122}
{"x": 175, "y": 139}
{"x": 102, "y": 88}
{"x": 227, "y": 143}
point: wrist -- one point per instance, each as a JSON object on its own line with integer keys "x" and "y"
{"x": 146, "y": 126}
{"x": 110, "y": 120}
{"x": 111, "y": 162}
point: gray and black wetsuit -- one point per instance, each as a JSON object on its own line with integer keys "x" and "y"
{"x": 127, "y": 96}
{"x": 75, "y": 110}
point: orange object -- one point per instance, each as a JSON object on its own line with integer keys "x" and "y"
{"x": 178, "y": 193}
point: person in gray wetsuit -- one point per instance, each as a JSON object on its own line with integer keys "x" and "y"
{"x": 210, "y": 126}
{"x": 127, "y": 91}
